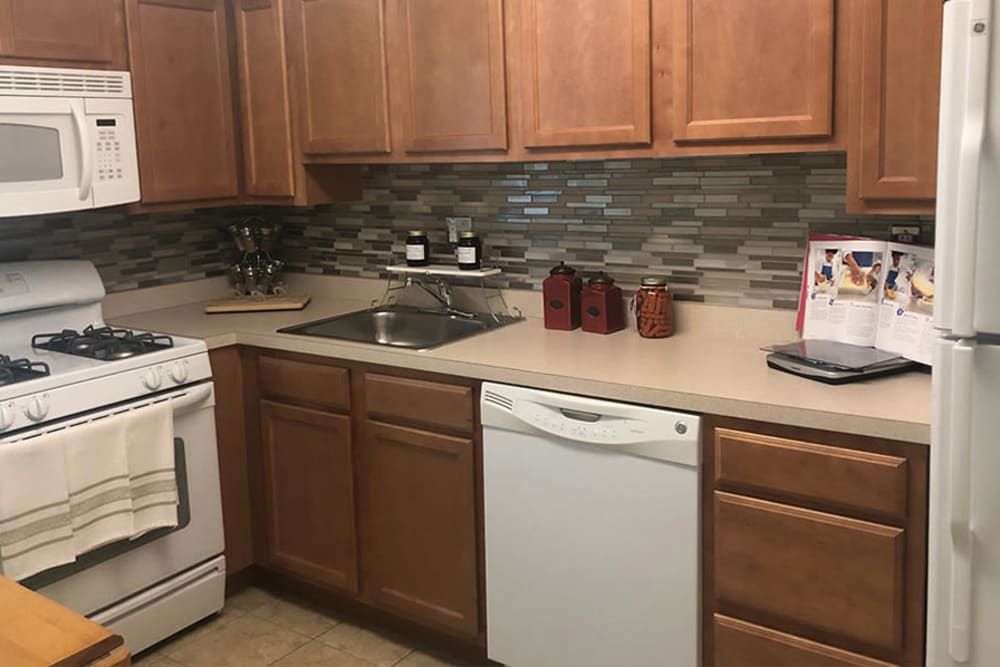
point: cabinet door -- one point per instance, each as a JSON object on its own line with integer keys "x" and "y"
{"x": 895, "y": 89}
{"x": 742, "y": 644}
{"x": 754, "y": 69}
{"x": 183, "y": 100}
{"x": 339, "y": 48}
{"x": 86, "y": 31}
{"x": 452, "y": 81}
{"x": 828, "y": 574}
{"x": 584, "y": 75}
{"x": 263, "y": 71}
{"x": 309, "y": 493}
{"x": 419, "y": 522}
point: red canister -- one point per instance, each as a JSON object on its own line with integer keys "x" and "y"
{"x": 602, "y": 305}
{"x": 562, "y": 298}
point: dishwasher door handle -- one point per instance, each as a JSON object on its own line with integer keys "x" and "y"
{"x": 580, "y": 416}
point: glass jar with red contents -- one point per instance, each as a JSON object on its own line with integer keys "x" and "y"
{"x": 654, "y": 307}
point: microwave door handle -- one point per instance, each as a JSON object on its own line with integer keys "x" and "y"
{"x": 86, "y": 149}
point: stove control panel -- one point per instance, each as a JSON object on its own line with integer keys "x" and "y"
{"x": 58, "y": 402}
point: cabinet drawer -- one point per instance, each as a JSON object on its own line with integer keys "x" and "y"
{"x": 803, "y": 471}
{"x": 431, "y": 404}
{"x": 305, "y": 383}
{"x": 840, "y": 576}
{"x": 742, "y": 644}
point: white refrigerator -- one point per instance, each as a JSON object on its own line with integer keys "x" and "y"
{"x": 963, "y": 621}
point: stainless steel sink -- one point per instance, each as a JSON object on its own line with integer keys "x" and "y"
{"x": 399, "y": 326}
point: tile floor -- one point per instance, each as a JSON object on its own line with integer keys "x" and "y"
{"x": 257, "y": 629}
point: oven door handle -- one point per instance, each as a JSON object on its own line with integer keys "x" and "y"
{"x": 191, "y": 399}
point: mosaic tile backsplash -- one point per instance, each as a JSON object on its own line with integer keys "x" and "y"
{"x": 727, "y": 230}
{"x": 130, "y": 251}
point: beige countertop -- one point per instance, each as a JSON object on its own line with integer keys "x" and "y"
{"x": 712, "y": 365}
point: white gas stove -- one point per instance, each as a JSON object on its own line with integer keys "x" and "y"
{"x": 61, "y": 366}
{"x": 56, "y": 306}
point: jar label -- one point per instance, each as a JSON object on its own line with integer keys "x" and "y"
{"x": 467, "y": 255}
{"x": 415, "y": 253}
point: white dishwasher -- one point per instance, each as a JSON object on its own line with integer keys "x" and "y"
{"x": 592, "y": 531}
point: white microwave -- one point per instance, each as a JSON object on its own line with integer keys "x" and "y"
{"x": 67, "y": 140}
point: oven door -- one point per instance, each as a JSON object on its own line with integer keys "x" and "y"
{"x": 112, "y": 573}
{"x": 47, "y": 163}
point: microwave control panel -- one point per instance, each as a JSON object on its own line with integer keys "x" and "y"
{"x": 109, "y": 165}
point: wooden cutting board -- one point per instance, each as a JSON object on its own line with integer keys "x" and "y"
{"x": 37, "y": 632}
{"x": 249, "y": 304}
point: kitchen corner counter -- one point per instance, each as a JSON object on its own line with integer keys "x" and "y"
{"x": 705, "y": 368}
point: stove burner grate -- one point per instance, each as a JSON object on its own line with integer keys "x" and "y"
{"x": 19, "y": 370}
{"x": 102, "y": 343}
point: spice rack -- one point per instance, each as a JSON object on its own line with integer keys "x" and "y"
{"x": 490, "y": 296}
{"x": 443, "y": 270}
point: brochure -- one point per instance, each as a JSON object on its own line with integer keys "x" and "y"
{"x": 873, "y": 293}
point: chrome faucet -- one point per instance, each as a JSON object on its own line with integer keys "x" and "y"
{"x": 441, "y": 291}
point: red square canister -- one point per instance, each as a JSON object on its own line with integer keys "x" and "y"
{"x": 561, "y": 291}
{"x": 602, "y": 305}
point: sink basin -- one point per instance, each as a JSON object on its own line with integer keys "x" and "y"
{"x": 397, "y": 326}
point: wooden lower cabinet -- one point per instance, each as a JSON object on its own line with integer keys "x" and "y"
{"x": 357, "y": 496}
{"x": 418, "y": 518}
{"x": 814, "y": 547}
{"x": 742, "y": 644}
{"x": 231, "y": 435}
{"x": 833, "y": 573}
{"x": 309, "y": 493}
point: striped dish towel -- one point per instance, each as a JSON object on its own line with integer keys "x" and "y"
{"x": 36, "y": 530}
{"x": 99, "y": 491}
{"x": 152, "y": 469}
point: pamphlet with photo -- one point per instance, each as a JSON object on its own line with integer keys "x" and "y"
{"x": 872, "y": 293}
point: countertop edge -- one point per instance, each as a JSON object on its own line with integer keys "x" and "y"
{"x": 837, "y": 422}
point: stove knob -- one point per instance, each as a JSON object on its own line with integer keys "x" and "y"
{"x": 37, "y": 409}
{"x": 6, "y": 418}
{"x": 151, "y": 379}
{"x": 179, "y": 372}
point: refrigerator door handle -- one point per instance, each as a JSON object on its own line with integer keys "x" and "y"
{"x": 954, "y": 56}
{"x": 962, "y": 268}
{"x": 959, "y": 442}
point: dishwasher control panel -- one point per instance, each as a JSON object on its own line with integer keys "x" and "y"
{"x": 629, "y": 429}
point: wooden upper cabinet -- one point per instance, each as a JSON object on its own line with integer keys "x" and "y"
{"x": 338, "y": 48}
{"x": 182, "y": 84}
{"x": 451, "y": 74}
{"x": 753, "y": 69}
{"x": 88, "y": 32}
{"x": 419, "y": 522}
{"x": 264, "y": 98}
{"x": 895, "y": 84}
{"x": 309, "y": 493}
{"x": 584, "y": 72}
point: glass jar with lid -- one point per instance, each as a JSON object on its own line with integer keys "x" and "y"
{"x": 654, "y": 307}
{"x": 418, "y": 248}
{"x": 470, "y": 252}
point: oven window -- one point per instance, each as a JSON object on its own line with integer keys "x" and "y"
{"x": 107, "y": 552}
{"x": 31, "y": 153}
